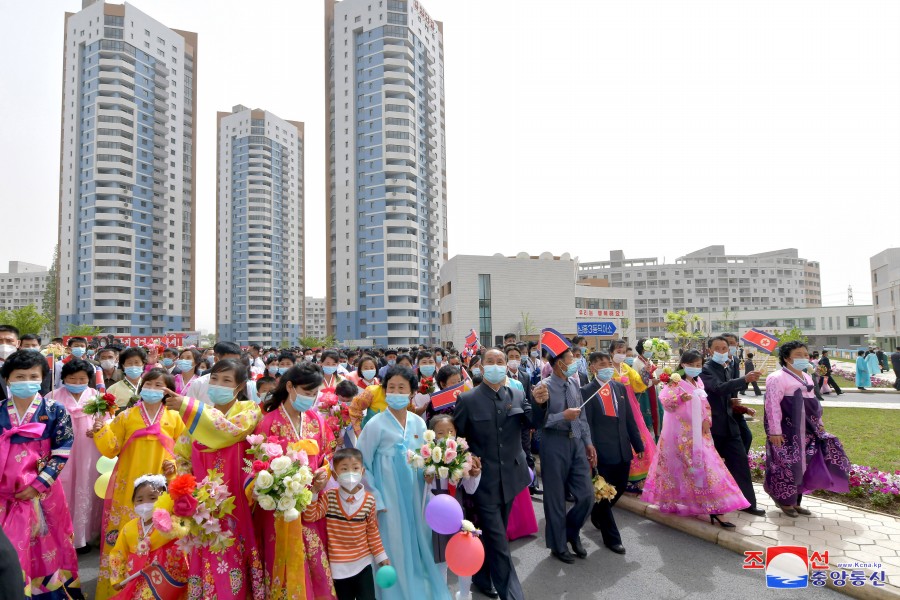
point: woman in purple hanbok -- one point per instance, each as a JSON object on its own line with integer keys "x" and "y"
{"x": 800, "y": 455}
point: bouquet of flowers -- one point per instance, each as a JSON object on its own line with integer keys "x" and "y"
{"x": 822, "y": 370}
{"x": 426, "y": 385}
{"x": 448, "y": 458}
{"x": 658, "y": 349}
{"x": 57, "y": 350}
{"x": 100, "y": 405}
{"x": 194, "y": 513}
{"x": 283, "y": 479}
{"x": 669, "y": 377}
{"x": 603, "y": 490}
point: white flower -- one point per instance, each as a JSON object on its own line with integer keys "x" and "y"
{"x": 443, "y": 472}
{"x": 467, "y": 526}
{"x": 286, "y": 482}
{"x": 264, "y": 481}
{"x": 280, "y": 465}
{"x": 291, "y": 514}
{"x": 266, "y": 503}
{"x": 420, "y": 462}
{"x": 429, "y": 436}
{"x": 430, "y": 470}
{"x": 456, "y": 475}
{"x": 295, "y": 488}
{"x": 286, "y": 502}
{"x": 304, "y": 477}
{"x": 436, "y": 454}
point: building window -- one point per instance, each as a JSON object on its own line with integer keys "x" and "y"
{"x": 484, "y": 310}
{"x": 856, "y": 322}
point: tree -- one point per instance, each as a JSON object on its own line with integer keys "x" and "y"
{"x": 794, "y": 334}
{"x": 728, "y": 323}
{"x": 26, "y": 319}
{"x": 528, "y": 327}
{"x": 309, "y": 342}
{"x": 686, "y": 328}
{"x": 83, "y": 330}
{"x": 626, "y": 323}
{"x": 50, "y": 306}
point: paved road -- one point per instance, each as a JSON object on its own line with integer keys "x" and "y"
{"x": 661, "y": 564}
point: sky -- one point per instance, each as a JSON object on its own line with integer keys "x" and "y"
{"x": 654, "y": 127}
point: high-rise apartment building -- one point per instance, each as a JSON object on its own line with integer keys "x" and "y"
{"x": 386, "y": 210}
{"x": 127, "y": 171}
{"x": 709, "y": 280}
{"x": 23, "y": 285}
{"x": 315, "y": 318}
{"x": 260, "y": 226}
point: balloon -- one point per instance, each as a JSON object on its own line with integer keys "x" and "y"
{"x": 444, "y": 514}
{"x": 465, "y": 554}
{"x": 101, "y": 484}
{"x": 386, "y": 577}
{"x": 106, "y": 465}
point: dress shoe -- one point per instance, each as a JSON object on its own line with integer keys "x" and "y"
{"x": 756, "y": 512}
{"x": 570, "y": 497}
{"x": 802, "y": 511}
{"x": 617, "y": 548}
{"x": 83, "y": 550}
{"x": 565, "y": 556}
{"x": 490, "y": 592}
{"x": 789, "y": 510}
{"x": 577, "y": 548}
{"x": 535, "y": 490}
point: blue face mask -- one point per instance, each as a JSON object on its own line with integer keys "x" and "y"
{"x": 78, "y": 351}
{"x": 219, "y": 394}
{"x": 692, "y": 371}
{"x": 25, "y": 389}
{"x": 606, "y": 374}
{"x": 494, "y": 373}
{"x": 629, "y": 360}
{"x": 273, "y": 371}
{"x": 282, "y": 370}
{"x": 476, "y": 372}
{"x": 303, "y": 403}
{"x": 720, "y": 357}
{"x": 168, "y": 362}
{"x": 572, "y": 369}
{"x": 426, "y": 370}
{"x": 801, "y": 364}
{"x": 368, "y": 374}
{"x": 134, "y": 372}
{"x": 330, "y": 369}
{"x": 184, "y": 364}
{"x": 397, "y": 401}
{"x": 732, "y": 350}
{"x": 76, "y": 390}
{"x": 152, "y": 396}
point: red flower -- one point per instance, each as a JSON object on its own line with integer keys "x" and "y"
{"x": 185, "y": 506}
{"x": 260, "y": 465}
{"x": 273, "y": 439}
{"x": 664, "y": 378}
{"x": 183, "y": 485}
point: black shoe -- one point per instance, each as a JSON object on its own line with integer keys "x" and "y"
{"x": 490, "y": 592}
{"x": 617, "y": 548}
{"x": 577, "y": 548}
{"x": 715, "y": 520}
{"x": 535, "y": 490}
{"x": 83, "y": 550}
{"x": 570, "y": 497}
{"x": 564, "y": 556}
{"x": 756, "y": 512}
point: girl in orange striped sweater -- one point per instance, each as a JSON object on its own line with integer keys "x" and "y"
{"x": 353, "y": 539}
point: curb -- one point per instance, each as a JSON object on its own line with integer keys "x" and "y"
{"x": 739, "y": 543}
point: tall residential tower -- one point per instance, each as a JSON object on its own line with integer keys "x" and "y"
{"x": 386, "y": 185}
{"x": 260, "y": 252}
{"x": 127, "y": 171}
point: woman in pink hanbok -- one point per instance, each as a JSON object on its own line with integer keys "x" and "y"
{"x": 35, "y": 441}
{"x": 78, "y": 477}
{"x": 634, "y": 384}
{"x": 687, "y": 476}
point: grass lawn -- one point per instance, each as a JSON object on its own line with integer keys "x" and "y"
{"x": 871, "y": 436}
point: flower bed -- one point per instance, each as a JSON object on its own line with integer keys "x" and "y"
{"x": 869, "y": 488}
{"x": 848, "y": 372}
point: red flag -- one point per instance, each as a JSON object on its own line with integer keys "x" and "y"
{"x": 98, "y": 379}
{"x": 446, "y": 397}
{"x": 472, "y": 338}
{"x": 762, "y": 340}
{"x": 162, "y": 585}
{"x": 606, "y": 400}
{"x": 554, "y": 342}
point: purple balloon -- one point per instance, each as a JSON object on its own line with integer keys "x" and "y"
{"x": 444, "y": 514}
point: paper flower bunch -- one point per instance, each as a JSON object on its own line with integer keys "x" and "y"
{"x": 283, "y": 479}
{"x": 448, "y": 458}
{"x": 195, "y": 513}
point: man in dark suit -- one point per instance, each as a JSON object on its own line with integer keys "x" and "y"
{"x": 721, "y": 388}
{"x": 826, "y": 362}
{"x": 491, "y": 419}
{"x": 748, "y": 368}
{"x": 614, "y": 433}
{"x": 895, "y": 363}
{"x": 515, "y": 371}
{"x": 734, "y": 372}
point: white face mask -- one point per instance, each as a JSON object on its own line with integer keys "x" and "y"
{"x": 618, "y": 358}
{"x": 144, "y": 511}
{"x": 349, "y": 480}
{"x": 6, "y": 350}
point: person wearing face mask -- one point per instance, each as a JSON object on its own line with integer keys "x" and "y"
{"x": 108, "y": 359}
{"x": 399, "y": 491}
{"x": 32, "y": 342}
{"x": 330, "y": 365}
{"x": 187, "y": 367}
{"x": 567, "y": 454}
{"x": 78, "y": 477}
{"x": 215, "y": 438}
{"x": 515, "y": 372}
{"x": 353, "y": 544}
{"x": 390, "y": 359}
{"x": 293, "y": 553}
{"x": 371, "y": 399}
{"x": 199, "y": 386}
{"x": 143, "y": 438}
{"x": 257, "y": 366}
{"x": 77, "y": 348}
{"x": 168, "y": 362}
{"x": 615, "y": 432}
{"x": 426, "y": 368}
{"x": 688, "y": 477}
{"x": 720, "y": 389}
{"x": 128, "y": 557}
{"x": 35, "y": 440}
{"x": 801, "y": 456}
{"x": 733, "y": 369}
{"x": 132, "y": 362}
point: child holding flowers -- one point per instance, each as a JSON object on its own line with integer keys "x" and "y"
{"x": 143, "y": 541}
{"x": 143, "y": 438}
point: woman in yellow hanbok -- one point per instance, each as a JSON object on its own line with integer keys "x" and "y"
{"x": 143, "y": 437}
{"x": 634, "y": 384}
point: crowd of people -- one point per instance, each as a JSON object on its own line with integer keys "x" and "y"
{"x": 676, "y": 436}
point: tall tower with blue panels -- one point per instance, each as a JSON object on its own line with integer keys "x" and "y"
{"x": 260, "y": 226}
{"x": 386, "y": 184}
{"x": 127, "y": 168}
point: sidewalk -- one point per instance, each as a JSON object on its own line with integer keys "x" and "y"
{"x": 848, "y": 534}
{"x": 833, "y": 402}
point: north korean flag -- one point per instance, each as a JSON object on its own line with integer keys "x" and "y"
{"x": 447, "y": 396}
{"x": 554, "y": 342}
{"x": 762, "y": 340}
{"x": 471, "y": 339}
{"x": 606, "y": 401}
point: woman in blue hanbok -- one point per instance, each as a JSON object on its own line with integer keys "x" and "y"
{"x": 399, "y": 491}
{"x": 873, "y": 362}
{"x": 863, "y": 376}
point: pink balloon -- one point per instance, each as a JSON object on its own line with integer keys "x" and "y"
{"x": 465, "y": 554}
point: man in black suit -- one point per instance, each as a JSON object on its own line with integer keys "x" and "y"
{"x": 734, "y": 372}
{"x": 515, "y": 371}
{"x": 826, "y": 362}
{"x": 721, "y": 388}
{"x": 895, "y": 363}
{"x": 614, "y": 434}
{"x": 491, "y": 419}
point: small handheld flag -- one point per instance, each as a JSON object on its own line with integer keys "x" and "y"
{"x": 447, "y": 396}
{"x": 471, "y": 339}
{"x": 99, "y": 382}
{"x": 760, "y": 339}
{"x": 554, "y": 342}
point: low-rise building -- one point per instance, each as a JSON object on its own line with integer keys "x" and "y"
{"x": 24, "y": 284}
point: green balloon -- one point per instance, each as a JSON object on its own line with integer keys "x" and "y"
{"x": 106, "y": 465}
{"x": 386, "y": 577}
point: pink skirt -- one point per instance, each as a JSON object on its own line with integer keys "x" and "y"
{"x": 522, "y": 521}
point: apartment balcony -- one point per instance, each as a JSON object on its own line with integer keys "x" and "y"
{"x": 399, "y": 64}
{"x": 399, "y": 77}
{"x": 109, "y": 65}
{"x": 393, "y": 91}
{"x": 398, "y": 51}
